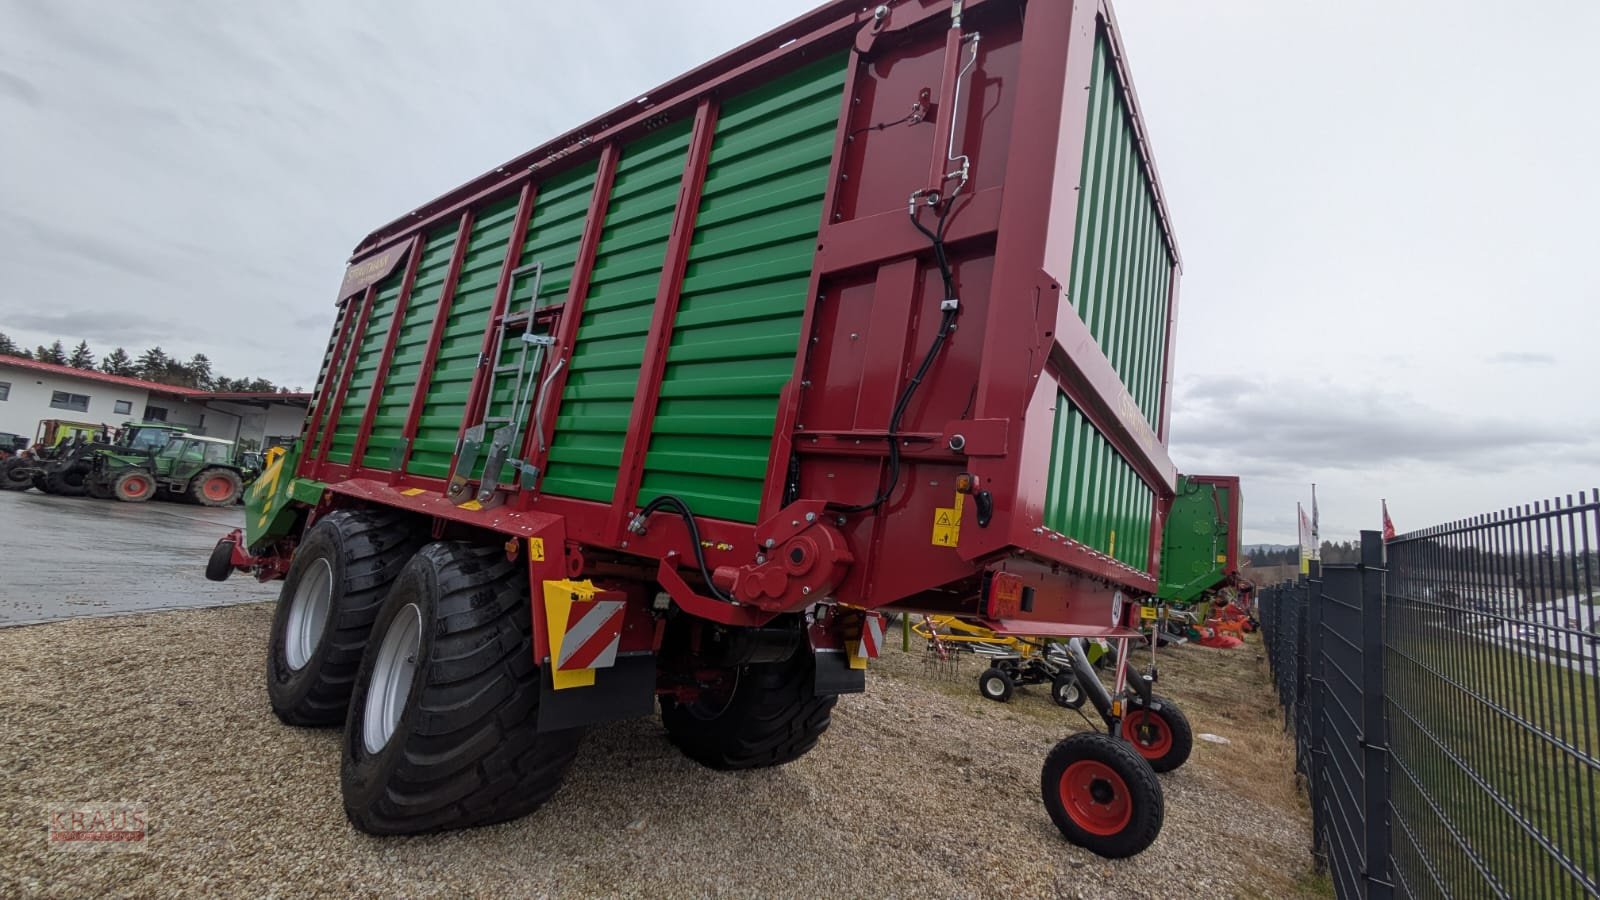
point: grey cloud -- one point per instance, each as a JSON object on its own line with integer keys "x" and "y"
{"x": 18, "y": 88}
{"x": 79, "y": 247}
{"x": 1277, "y": 427}
{"x": 104, "y": 327}
{"x": 1523, "y": 358}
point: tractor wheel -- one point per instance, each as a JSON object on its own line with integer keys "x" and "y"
{"x": 68, "y": 481}
{"x": 1161, "y": 734}
{"x": 216, "y": 487}
{"x": 771, "y": 715}
{"x": 1102, "y": 795}
{"x": 1067, "y": 692}
{"x": 337, "y": 582}
{"x": 994, "y": 684}
{"x": 14, "y": 475}
{"x": 134, "y": 487}
{"x": 442, "y": 731}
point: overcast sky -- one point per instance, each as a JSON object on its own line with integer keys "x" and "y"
{"x": 1386, "y": 210}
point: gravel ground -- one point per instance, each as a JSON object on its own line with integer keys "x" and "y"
{"x": 921, "y": 788}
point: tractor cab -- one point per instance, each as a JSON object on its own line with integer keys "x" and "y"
{"x": 146, "y": 438}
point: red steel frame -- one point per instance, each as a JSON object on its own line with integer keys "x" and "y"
{"x": 1029, "y": 221}
{"x": 477, "y": 395}
{"x": 654, "y": 366}
{"x": 401, "y": 303}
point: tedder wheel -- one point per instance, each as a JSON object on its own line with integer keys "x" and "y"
{"x": 442, "y": 731}
{"x": 339, "y": 577}
{"x": 1066, "y": 691}
{"x": 216, "y": 487}
{"x": 134, "y": 487}
{"x": 220, "y": 565}
{"x": 769, "y": 716}
{"x": 1102, "y": 795}
{"x": 994, "y": 684}
{"x": 1161, "y": 734}
{"x": 68, "y": 481}
{"x": 14, "y": 475}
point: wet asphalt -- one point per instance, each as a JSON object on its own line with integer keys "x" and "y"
{"x": 66, "y": 557}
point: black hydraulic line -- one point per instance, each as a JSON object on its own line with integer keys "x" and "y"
{"x": 682, "y": 509}
{"x": 947, "y": 322}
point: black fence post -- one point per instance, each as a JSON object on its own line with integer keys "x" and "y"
{"x": 1374, "y": 725}
{"x": 1312, "y": 676}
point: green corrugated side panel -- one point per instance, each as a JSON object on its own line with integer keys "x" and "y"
{"x": 359, "y": 393}
{"x": 462, "y": 340}
{"x": 1193, "y": 540}
{"x": 744, "y": 293}
{"x": 1122, "y": 266}
{"x": 560, "y": 208}
{"x": 310, "y": 428}
{"x": 586, "y": 448}
{"x": 415, "y": 330}
{"x": 1093, "y": 494}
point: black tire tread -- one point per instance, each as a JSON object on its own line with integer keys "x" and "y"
{"x": 376, "y": 546}
{"x": 1143, "y": 786}
{"x": 66, "y": 481}
{"x": 1003, "y": 675}
{"x": 13, "y": 475}
{"x": 775, "y": 717}
{"x": 1182, "y": 733}
{"x": 473, "y": 755}
{"x": 197, "y": 487}
{"x": 117, "y": 484}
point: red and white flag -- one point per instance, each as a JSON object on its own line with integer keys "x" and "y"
{"x": 1388, "y": 526}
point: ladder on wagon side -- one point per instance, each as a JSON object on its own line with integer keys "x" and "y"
{"x": 501, "y": 435}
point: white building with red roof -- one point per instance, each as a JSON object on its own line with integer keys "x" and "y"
{"x": 31, "y": 391}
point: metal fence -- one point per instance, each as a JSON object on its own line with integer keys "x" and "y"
{"x": 1444, "y": 694}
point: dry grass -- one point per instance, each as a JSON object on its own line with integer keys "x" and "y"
{"x": 921, "y": 788}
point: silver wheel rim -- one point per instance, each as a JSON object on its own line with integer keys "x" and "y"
{"x": 994, "y": 687}
{"x": 308, "y": 614}
{"x": 392, "y": 673}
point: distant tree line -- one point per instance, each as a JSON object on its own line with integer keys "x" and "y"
{"x": 151, "y": 365}
{"x": 1332, "y": 552}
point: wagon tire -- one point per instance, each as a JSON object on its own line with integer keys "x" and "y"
{"x": 772, "y": 716}
{"x": 1160, "y": 733}
{"x": 994, "y": 684}
{"x": 216, "y": 487}
{"x": 338, "y": 580}
{"x": 442, "y": 731}
{"x": 134, "y": 487}
{"x": 1102, "y": 795}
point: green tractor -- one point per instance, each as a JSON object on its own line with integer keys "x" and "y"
{"x": 188, "y": 466}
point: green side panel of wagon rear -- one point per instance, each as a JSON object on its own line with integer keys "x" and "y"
{"x": 1122, "y": 265}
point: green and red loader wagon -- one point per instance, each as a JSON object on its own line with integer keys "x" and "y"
{"x": 875, "y": 311}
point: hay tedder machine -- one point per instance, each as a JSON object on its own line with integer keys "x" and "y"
{"x": 874, "y": 312}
